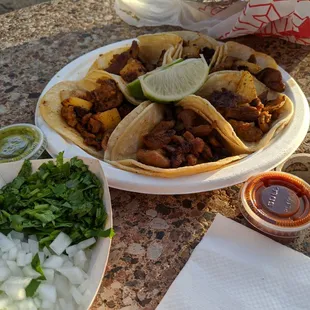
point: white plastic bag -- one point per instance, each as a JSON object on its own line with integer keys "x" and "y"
{"x": 287, "y": 18}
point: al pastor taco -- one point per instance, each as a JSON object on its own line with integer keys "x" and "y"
{"x": 195, "y": 44}
{"x": 169, "y": 141}
{"x": 86, "y": 112}
{"x": 145, "y": 54}
{"x": 248, "y": 113}
{"x": 236, "y": 56}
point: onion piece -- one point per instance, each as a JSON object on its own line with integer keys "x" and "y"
{"x": 60, "y": 243}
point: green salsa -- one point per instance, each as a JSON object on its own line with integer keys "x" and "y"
{"x": 17, "y": 142}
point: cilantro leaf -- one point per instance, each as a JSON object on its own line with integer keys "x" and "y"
{"x": 59, "y": 196}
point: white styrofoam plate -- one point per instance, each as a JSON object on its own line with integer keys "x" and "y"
{"x": 279, "y": 149}
{"x": 100, "y": 253}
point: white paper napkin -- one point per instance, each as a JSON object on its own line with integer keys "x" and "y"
{"x": 236, "y": 268}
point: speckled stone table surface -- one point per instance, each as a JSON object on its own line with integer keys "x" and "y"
{"x": 155, "y": 235}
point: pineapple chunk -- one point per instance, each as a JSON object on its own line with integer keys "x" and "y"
{"x": 246, "y": 87}
{"x": 77, "y": 102}
{"x": 109, "y": 119}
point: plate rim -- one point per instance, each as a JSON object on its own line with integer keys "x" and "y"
{"x": 129, "y": 181}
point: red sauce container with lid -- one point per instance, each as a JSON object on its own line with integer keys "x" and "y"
{"x": 277, "y": 204}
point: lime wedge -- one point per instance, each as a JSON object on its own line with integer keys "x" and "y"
{"x": 175, "y": 82}
{"x": 135, "y": 88}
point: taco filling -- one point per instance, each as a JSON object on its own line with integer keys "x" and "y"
{"x": 271, "y": 77}
{"x": 183, "y": 138}
{"x": 95, "y": 114}
{"x": 130, "y": 66}
{"x": 250, "y": 119}
{"x": 195, "y": 48}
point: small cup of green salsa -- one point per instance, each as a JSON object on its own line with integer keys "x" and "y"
{"x": 21, "y": 141}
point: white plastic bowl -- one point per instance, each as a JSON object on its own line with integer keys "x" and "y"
{"x": 100, "y": 253}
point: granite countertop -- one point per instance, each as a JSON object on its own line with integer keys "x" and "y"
{"x": 155, "y": 235}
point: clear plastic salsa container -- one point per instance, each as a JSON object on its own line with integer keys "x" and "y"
{"x": 276, "y": 204}
{"x": 21, "y": 141}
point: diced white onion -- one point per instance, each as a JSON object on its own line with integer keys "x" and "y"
{"x": 86, "y": 243}
{"x": 28, "y": 271}
{"x": 32, "y": 237}
{"x": 49, "y": 274}
{"x": 83, "y": 287}
{"x": 41, "y": 257}
{"x": 16, "y": 235}
{"x": 26, "y": 247}
{"x": 28, "y": 258}
{"x": 13, "y": 253}
{"x": 66, "y": 285}
{"x": 80, "y": 259}
{"x": 46, "y": 251}
{"x": 5, "y": 272}
{"x": 21, "y": 259}
{"x": 60, "y": 243}
{"x": 15, "y": 270}
{"x": 5, "y": 243}
{"x": 77, "y": 296}
{"x": 34, "y": 246}
{"x": 74, "y": 274}
{"x": 47, "y": 292}
{"x": 71, "y": 250}
{"x": 53, "y": 262}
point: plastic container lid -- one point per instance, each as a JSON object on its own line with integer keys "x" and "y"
{"x": 298, "y": 165}
{"x": 21, "y": 141}
{"x": 277, "y": 203}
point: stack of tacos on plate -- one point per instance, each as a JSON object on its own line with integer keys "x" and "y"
{"x": 237, "y": 111}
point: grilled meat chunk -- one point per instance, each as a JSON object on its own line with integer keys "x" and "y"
{"x": 213, "y": 141}
{"x": 191, "y": 160}
{"x": 187, "y": 117}
{"x": 207, "y": 54}
{"x": 201, "y": 130}
{"x": 119, "y": 61}
{"x": 107, "y": 96}
{"x": 93, "y": 125}
{"x": 68, "y": 113}
{"x": 160, "y": 59}
{"x": 225, "y": 99}
{"x": 94, "y": 143}
{"x": 86, "y": 118}
{"x": 243, "y": 113}
{"x": 264, "y": 121}
{"x": 246, "y": 131}
{"x": 197, "y": 146}
{"x": 252, "y": 59}
{"x": 155, "y": 158}
{"x": 105, "y": 139}
{"x": 158, "y": 140}
{"x": 132, "y": 70}
{"x": 84, "y": 133}
{"x": 177, "y": 159}
{"x": 124, "y": 109}
{"x": 272, "y": 78}
{"x": 80, "y": 112}
{"x": 207, "y": 152}
{"x": 163, "y": 126}
{"x": 275, "y": 104}
{"x": 257, "y": 103}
